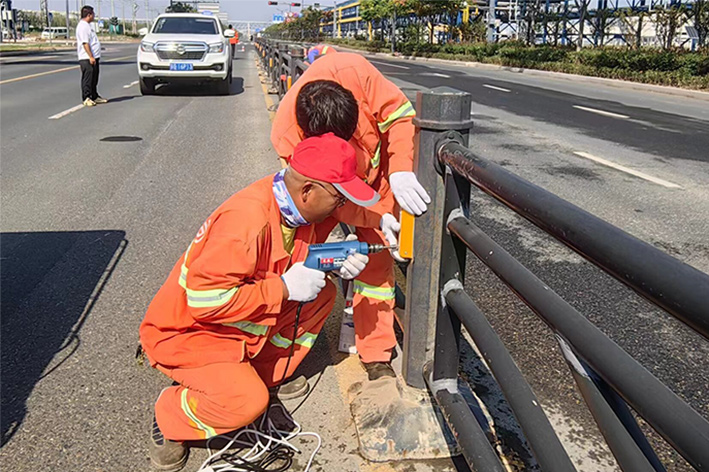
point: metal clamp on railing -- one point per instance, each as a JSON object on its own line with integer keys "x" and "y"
{"x": 609, "y": 379}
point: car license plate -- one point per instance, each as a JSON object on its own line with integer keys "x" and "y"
{"x": 180, "y": 66}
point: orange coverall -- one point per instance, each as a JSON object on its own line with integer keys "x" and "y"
{"x": 219, "y": 325}
{"x": 384, "y": 144}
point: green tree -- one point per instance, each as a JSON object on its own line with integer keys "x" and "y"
{"x": 180, "y": 7}
{"x": 698, "y": 16}
{"x": 375, "y": 12}
{"x": 668, "y": 21}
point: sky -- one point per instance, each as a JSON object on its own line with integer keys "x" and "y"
{"x": 257, "y": 10}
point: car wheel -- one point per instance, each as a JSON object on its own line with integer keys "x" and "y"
{"x": 147, "y": 86}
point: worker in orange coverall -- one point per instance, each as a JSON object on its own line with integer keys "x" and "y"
{"x": 222, "y": 326}
{"x": 233, "y": 42}
{"x": 384, "y": 144}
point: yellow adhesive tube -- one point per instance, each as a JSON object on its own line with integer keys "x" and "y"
{"x": 406, "y": 235}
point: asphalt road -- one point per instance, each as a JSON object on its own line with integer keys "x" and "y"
{"x": 541, "y": 129}
{"x": 96, "y": 208}
{"x": 98, "y": 203}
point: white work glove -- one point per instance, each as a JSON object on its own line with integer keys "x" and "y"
{"x": 390, "y": 227}
{"x": 354, "y": 264}
{"x": 409, "y": 193}
{"x": 303, "y": 283}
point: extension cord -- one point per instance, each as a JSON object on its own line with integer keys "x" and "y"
{"x": 273, "y": 437}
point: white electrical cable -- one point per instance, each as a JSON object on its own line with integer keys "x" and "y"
{"x": 256, "y": 447}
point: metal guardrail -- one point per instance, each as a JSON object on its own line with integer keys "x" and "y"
{"x": 283, "y": 63}
{"x": 609, "y": 379}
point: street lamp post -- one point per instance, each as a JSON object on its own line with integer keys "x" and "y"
{"x": 68, "y": 34}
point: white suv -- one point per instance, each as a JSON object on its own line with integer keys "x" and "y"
{"x": 185, "y": 47}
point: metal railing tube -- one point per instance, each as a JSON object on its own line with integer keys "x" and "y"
{"x": 680, "y": 425}
{"x": 678, "y": 288}
{"x": 473, "y": 441}
{"x": 536, "y": 427}
{"x": 618, "y": 426}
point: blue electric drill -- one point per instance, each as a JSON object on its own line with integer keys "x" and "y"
{"x": 330, "y": 256}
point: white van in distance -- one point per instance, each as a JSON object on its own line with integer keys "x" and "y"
{"x": 55, "y": 32}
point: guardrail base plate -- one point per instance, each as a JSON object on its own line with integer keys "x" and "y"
{"x": 395, "y": 423}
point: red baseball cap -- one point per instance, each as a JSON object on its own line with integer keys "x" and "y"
{"x": 330, "y": 159}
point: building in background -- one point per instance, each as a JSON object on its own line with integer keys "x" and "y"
{"x": 212, "y": 8}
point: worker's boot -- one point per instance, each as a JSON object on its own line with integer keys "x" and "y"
{"x": 295, "y": 388}
{"x": 166, "y": 455}
{"x": 377, "y": 370}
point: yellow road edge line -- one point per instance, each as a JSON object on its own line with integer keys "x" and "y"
{"x": 40, "y": 74}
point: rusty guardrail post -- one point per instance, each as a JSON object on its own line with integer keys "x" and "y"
{"x": 297, "y": 55}
{"x": 437, "y": 113}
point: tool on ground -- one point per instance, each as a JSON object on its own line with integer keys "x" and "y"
{"x": 330, "y": 256}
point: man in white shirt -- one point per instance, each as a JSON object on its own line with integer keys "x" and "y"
{"x": 88, "y": 48}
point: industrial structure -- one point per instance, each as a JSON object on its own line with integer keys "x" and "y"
{"x": 559, "y": 22}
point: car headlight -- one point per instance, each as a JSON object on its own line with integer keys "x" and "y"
{"x": 216, "y": 47}
{"x": 146, "y": 46}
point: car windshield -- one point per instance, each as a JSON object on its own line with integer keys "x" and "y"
{"x": 185, "y": 25}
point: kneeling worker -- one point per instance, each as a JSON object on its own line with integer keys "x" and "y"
{"x": 222, "y": 326}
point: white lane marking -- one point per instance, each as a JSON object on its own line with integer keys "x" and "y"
{"x": 602, "y": 112}
{"x": 131, "y": 84}
{"x": 389, "y": 64}
{"x": 436, "y": 74}
{"x": 627, "y": 170}
{"x": 496, "y": 88}
{"x": 12, "y": 60}
{"x": 66, "y": 112}
{"x": 40, "y": 74}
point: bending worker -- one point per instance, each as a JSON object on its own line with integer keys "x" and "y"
{"x": 384, "y": 145}
{"x": 222, "y": 326}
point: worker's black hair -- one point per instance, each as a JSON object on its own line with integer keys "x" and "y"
{"x": 86, "y": 11}
{"x": 324, "y": 106}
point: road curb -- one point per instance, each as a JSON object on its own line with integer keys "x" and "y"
{"x": 623, "y": 84}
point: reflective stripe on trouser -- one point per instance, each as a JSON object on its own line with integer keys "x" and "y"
{"x": 219, "y": 398}
{"x": 374, "y": 303}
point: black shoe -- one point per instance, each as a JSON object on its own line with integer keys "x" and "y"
{"x": 166, "y": 455}
{"x": 295, "y": 388}
{"x": 377, "y": 370}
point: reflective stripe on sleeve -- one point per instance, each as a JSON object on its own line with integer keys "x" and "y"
{"x": 205, "y": 298}
{"x": 209, "y": 298}
{"x": 249, "y": 327}
{"x": 183, "y": 277}
{"x": 377, "y": 156}
{"x": 404, "y": 111}
{"x": 208, "y": 430}
{"x": 377, "y": 293}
